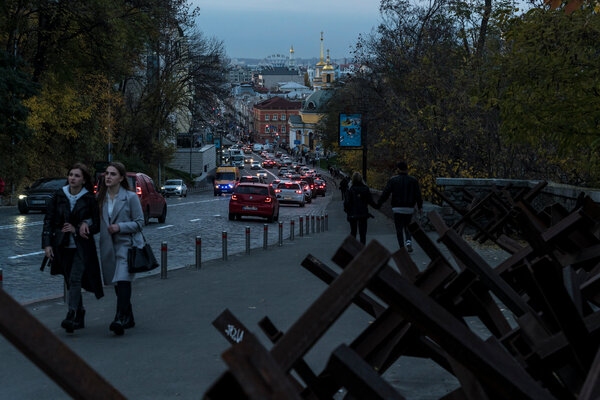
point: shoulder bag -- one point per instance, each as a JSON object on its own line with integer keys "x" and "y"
{"x": 141, "y": 259}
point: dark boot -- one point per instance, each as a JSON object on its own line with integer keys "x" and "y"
{"x": 69, "y": 322}
{"x": 129, "y": 321}
{"x": 117, "y": 325}
{"x": 79, "y": 322}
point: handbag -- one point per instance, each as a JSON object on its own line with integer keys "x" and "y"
{"x": 141, "y": 259}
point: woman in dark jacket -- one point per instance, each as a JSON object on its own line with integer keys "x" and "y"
{"x": 356, "y": 203}
{"x": 71, "y": 221}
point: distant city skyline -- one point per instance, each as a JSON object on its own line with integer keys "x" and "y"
{"x": 260, "y": 28}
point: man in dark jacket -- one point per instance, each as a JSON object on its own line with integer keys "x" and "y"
{"x": 344, "y": 186}
{"x": 406, "y": 194}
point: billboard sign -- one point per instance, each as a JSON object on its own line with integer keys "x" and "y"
{"x": 350, "y": 131}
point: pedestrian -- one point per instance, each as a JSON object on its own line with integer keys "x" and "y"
{"x": 1, "y": 187}
{"x": 358, "y": 198}
{"x": 406, "y": 193}
{"x": 71, "y": 220}
{"x": 344, "y": 186}
{"x": 121, "y": 219}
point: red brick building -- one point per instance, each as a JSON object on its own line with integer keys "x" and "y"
{"x": 271, "y": 119}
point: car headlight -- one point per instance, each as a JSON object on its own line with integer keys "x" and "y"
{"x": 216, "y": 186}
{"x": 162, "y": 188}
{"x": 230, "y": 185}
{"x": 22, "y": 196}
{"x": 178, "y": 187}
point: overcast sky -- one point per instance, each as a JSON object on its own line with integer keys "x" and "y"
{"x": 259, "y": 28}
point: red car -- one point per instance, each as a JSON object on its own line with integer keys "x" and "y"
{"x": 254, "y": 200}
{"x": 154, "y": 204}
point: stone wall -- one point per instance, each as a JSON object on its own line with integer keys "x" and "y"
{"x": 202, "y": 160}
{"x": 565, "y": 195}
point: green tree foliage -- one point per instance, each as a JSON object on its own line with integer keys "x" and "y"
{"x": 474, "y": 89}
{"x": 118, "y": 71}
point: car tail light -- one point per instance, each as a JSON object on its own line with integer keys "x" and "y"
{"x": 138, "y": 190}
{"x": 277, "y": 190}
{"x": 95, "y": 189}
{"x": 306, "y": 187}
{"x": 268, "y": 200}
{"x": 311, "y": 186}
{"x": 299, "y": 191}
{"x": 234, "y": 197}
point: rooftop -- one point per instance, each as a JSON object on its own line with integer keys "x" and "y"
{"x": 278, "y": 103}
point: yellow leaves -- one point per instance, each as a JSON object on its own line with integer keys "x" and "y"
{"x": 57, "y": 110}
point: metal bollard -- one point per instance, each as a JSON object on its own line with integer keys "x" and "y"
{"x": 163, "y": 260}
{"x": 292, "y": 230}
{"x": 265, "y": 236}
{"x": 247, "y": 240}
{"x": 312, "y": 223}
{"x": 280, "y": 234}
{"x": 322, "y": 223}
{"x": 318, "y": 224}
{"x": 307, "y": 224}
{"x": 1, "y": 277}
{"x": 65, "y": 293}
{"x": 224, "y": 238}
{"x": 198, "y": 253}
{"x": 301, "y": 226}
{"x": 326, "y": 222}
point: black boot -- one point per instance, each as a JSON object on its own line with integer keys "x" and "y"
{"x": 118, "y": 326}
{"x": 79, "y": 322}
{"x": 69, "y": 322}
{"x": 129, "y": 321}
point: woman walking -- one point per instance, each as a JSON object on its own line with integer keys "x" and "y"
{"x": 71, "y": 220}
{"x": 121, "y": 219}
{"x": 356, "y": 202}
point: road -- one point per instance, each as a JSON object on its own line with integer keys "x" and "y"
{"x": 199, "y": 214}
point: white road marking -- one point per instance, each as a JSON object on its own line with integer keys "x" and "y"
{"x": 192, "y": 202}
{"x": 166, "y": 226}
{"x": 26, "y": 255}
{"x": 195, "y": 219}
{"x": 2, "y": 227}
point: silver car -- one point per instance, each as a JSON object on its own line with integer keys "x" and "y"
{"x": 175, "y": 187}
{"x": 261, "y": 173}
{"x": 290, "y": 192}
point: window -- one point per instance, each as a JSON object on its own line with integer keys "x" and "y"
{"x": 266, "y": 117}
{"x": 266, "y": 128}
{"x": 283, "y": 117}
{"x": 274, "y": 117}
{"x": 283, "y": 129}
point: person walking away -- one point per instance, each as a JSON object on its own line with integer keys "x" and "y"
{"x": 121, "y": 219}
{"x": 406, "y": 193}
{"x": 71, "y": 220}
{"x": 358, "y": 198}
{"x": 344, "y": 186}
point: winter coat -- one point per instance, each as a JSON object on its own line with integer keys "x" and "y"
{"x": 127, "y": 213}
{"x": 58, "y": 213}
{"x": 358, "y": 197}
{"x": 405, "y": 192}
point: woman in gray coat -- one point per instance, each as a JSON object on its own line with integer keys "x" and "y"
{"x": 121, "y": 219}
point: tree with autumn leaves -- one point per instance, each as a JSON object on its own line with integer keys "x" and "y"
{"x": 79, "y": 78}
{"x": 476, "y": 89}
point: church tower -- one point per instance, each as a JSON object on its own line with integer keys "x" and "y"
{"x": 318, "y": 80}
{"x": 328, "y": 74}
{"x": 292, "y": 61}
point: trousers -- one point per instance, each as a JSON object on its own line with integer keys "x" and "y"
{"x": 401, "y": 221}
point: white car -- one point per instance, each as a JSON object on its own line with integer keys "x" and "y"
{"x": 175, "y": 187}
{"x": 255, "y": 165}
{"x": 261, "y": 173}
{"x": 290, "y": 192}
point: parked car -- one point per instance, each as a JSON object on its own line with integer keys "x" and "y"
{"x": 175, "y": 187}
{"x": 251, "y": 199}
{"x": 37, "y": 196}
{"x": 290, "y": 192}
{"x": 320, "y": 187}
{"x": 154, "y": 204}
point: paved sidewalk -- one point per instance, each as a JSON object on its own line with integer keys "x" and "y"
{"x": 174, "y": 351}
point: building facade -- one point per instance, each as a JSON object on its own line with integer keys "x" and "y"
{"x": 271, "y": 120}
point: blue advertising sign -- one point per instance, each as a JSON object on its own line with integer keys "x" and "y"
{"x": 296, "y": 141}
{"x": 217, "y": 143}
{"x": 350, "y": 130}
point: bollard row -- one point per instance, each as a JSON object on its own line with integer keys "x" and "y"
{"x": 320, "y": 224}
